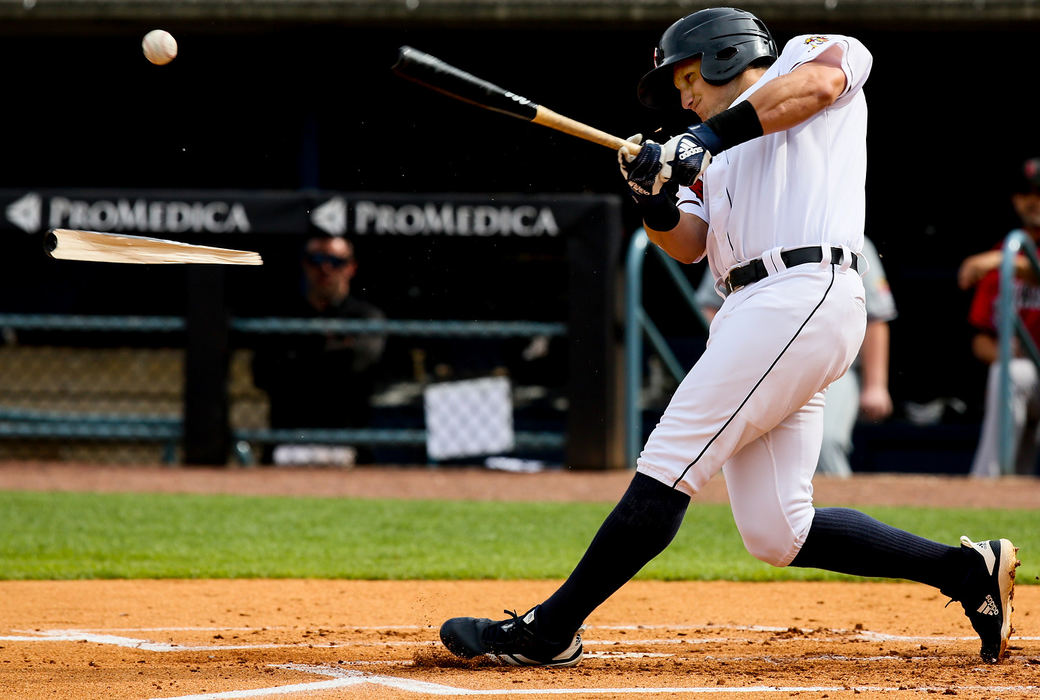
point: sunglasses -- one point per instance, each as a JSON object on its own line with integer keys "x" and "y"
{"x": 333, "y": 261}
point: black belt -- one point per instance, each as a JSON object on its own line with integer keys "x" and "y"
{"x": 756, "y": 269}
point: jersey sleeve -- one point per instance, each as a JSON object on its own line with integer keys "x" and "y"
{"x": 844, "y": 52}
{"x": 691, "y": 200}
{"x": 881, "y": 305}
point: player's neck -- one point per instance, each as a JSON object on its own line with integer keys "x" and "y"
{"x": 324, "y": 303}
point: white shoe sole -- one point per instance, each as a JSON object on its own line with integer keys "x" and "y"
{"x": 1007, "y": 565}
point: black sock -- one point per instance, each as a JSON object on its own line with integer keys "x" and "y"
{"x": 850, "y": 542}
{"x": 641, "y": 525}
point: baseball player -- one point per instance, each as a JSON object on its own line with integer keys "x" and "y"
{"x": 779, "y": 216}
{"x": 982, "y": 271}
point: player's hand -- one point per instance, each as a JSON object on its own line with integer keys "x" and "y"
{"x": 976, "y": 267}
{"x": 653, "y": 195}
{"x": 875, "y": 403}
{"x": 687, "y": 155}
{"x": 642, "y": 172}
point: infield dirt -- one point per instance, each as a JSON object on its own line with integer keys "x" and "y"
{"x": 378, "y": 639}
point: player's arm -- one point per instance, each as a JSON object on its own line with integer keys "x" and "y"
{"x": 875, "y": 402}
{"x": 985, "y": 347}
{"x": 680, "y": 234}
{"x": 788, "y": 100}
{"x": 685, "y": 242}
{"x": 975, "y": 267}
{"x": 780, "y": 104}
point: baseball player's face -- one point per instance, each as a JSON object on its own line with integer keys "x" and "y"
{"x": 705, "y": 99}
{"x": 1028, "y": 208}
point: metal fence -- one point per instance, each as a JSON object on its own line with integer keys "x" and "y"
{"x": 400, "y": 429}
{"x": 639, "y": 324}
{"x": 63, "y": 397}
{"x": 66, "y": 393}
{"x": 1010, "y": 328}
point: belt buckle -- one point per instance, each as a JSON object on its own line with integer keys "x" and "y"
{"x": 728, "y": 284}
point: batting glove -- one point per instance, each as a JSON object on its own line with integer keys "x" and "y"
{"x": 642, "y": 171}
{"x": 687, "y": 155}
{"x": 649, "y": 190}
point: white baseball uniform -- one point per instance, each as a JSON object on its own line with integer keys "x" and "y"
{"x": 752, "y": 406}
{"x": 843, "y": 405}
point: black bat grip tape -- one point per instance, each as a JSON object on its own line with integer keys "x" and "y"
{"x": 427, "y": 70}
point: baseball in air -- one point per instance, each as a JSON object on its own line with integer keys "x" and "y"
{"x": 159, "y": 47}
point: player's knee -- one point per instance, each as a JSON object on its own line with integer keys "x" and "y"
{"x": 773, "y": 551}
{"x": 1023, "y": 374}
{"x": 767, "y": 543}
{"x": 776, "y": 541}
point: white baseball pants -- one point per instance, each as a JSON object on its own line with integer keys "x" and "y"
{"x": 839, "y": 422}
{"x": 1025, "y": 420}
{"x": 752, "y": 405}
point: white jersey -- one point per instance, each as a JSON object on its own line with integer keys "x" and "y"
{"x": 794, "y": 188}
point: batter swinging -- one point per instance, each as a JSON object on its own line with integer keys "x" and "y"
{"x": 779, "y": 214}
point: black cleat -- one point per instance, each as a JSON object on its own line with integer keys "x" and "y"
{"x": 513, "y": 641}
{"x": 988, "y": 604}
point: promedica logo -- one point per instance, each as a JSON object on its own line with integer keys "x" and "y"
{"x": 30, "y": 211}
{"x": 26, "y": 212}
{"x": 433, "y": 219}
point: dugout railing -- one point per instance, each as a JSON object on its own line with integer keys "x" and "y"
{"x": 1009, "y": 328}
{"x": 20, "y": 422}
{"x": 531, "y": 439}
{"x": 639, "y": 324}
{"x": 168, "y": 431}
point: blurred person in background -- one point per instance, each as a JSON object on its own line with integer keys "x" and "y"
{"x": 322, "y": 380}
{"x": 862, "y": 392}
{"x": 982, "y": 271}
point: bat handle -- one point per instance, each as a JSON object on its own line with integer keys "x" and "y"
{"x": 50, "y": 242}
{"x": 549, "y": 118}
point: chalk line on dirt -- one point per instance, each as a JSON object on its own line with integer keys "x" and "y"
{"x": 343, "y": 678}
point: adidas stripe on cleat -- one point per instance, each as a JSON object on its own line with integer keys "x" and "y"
{"x": 514, "y": 641}
{"x": 988, "y": 604}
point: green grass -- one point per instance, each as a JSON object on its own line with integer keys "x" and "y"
{"x": 84, "y": 536}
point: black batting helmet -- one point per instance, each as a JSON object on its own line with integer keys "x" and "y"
{"x": 1028, "y": 180}
{"x": 728, "y": 40}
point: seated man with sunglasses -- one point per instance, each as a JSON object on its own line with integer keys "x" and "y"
{"x": 321, "y": 380}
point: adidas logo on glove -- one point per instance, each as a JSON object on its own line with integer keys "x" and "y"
{"x": 688, "y": 149}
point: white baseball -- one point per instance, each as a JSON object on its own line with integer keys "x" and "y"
{"x": 159, "y": 47}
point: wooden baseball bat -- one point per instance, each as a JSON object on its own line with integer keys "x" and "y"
{"x": 435, "y": 74}
{"x": 94, "y": 246}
